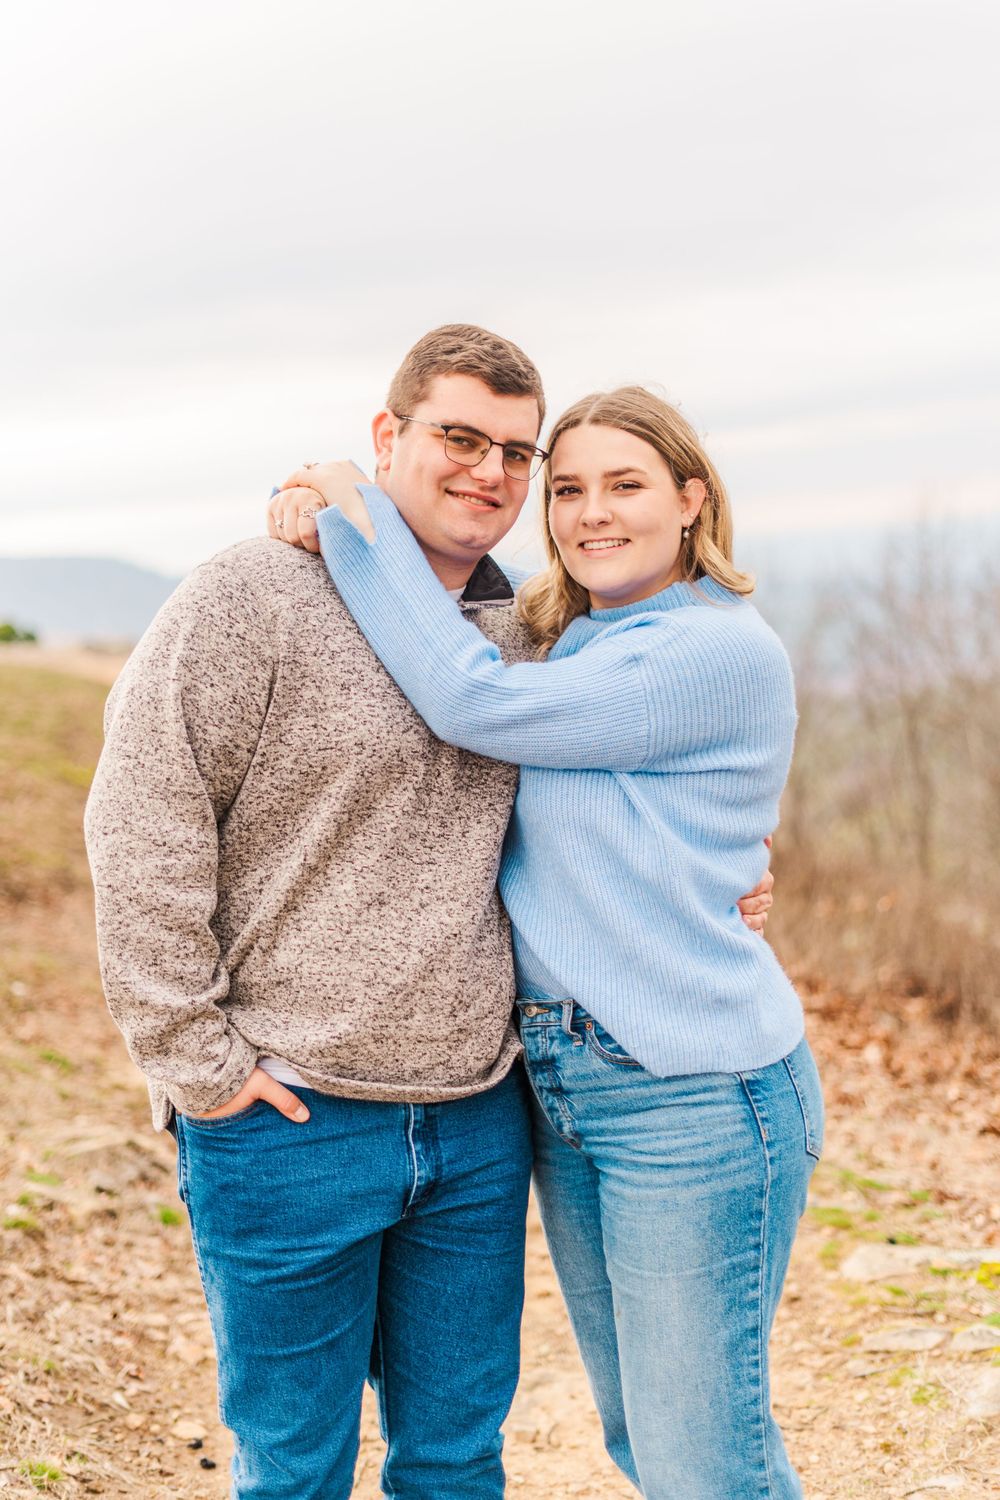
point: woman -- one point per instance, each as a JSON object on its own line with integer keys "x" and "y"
{"x": 678, "y": 1110}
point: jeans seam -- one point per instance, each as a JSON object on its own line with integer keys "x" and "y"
{"x": 412, "y": 1146}
{"x": 811, "y": 1144}
{"x": 383, "y": 1404}
{"x": 762, "y": 1262}
{"x": 199, "y": 1262}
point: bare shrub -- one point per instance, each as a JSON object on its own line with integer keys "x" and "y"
{"x": 887, "y": 857}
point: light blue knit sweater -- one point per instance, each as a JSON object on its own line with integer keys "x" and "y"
{"x": 654, "y": 741}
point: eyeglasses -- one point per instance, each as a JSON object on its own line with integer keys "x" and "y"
{"x": 464, "y": 445}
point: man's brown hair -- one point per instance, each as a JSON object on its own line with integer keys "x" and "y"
{"x": 464, "y": 349}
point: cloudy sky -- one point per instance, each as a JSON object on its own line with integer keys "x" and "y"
{"x": 225, "y": 223}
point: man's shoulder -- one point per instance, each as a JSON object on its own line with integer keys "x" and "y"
{"x": 261, "y": 560}
{"x": 261, "y": 573}
{"x": 244, "y": 593}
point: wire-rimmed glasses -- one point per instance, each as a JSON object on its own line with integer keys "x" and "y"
{"x": 468, "y": 446}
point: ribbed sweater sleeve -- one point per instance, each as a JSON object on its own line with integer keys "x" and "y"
{"x": 181, "y": 726}
{"x": 649, "y": 692}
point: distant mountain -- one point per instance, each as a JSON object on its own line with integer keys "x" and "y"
{"x": 100, "y": 600}
{"x": 80, "y": 598}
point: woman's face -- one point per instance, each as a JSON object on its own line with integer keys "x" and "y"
{"x": 616, "y": 514}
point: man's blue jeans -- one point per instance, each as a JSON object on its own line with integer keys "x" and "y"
{"x": 376, "y": 1237}
{"x": 670, "y": 1206}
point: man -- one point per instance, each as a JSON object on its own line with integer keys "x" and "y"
{"x": 301, "y": 940}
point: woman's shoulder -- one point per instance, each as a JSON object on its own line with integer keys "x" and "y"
{"x": 714, "y": 639}
{"x": 689, "y": 620}
{"x": 702, "y": 608}
{"x": 717, "y": 611}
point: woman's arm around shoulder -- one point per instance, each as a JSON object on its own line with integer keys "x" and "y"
{"x": 600, "y": 707}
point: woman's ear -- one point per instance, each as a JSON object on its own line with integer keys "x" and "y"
{"x": 693, "y": 494}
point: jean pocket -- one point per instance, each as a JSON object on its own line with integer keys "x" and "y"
{"x": 603, "y": 1045}
{"x": 804, "y": 1076}
{"x": 219, "y": 1121}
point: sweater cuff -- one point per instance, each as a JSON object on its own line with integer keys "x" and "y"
{"x": 332, "y": 524}
{"x": 196, "y": 1098}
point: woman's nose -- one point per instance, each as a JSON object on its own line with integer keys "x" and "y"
{"x": 596, "y": 511}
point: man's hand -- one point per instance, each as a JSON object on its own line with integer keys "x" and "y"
{"x": 259, "y": 1085}
{"x": 755, "y": 906}
{"x": 291, "y": 514}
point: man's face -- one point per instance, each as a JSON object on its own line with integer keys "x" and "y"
{"x": 457, "y": 513}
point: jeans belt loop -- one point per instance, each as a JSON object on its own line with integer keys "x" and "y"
{"x": 567, "y": 1021}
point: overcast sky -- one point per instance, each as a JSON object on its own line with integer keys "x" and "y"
{"x": 224, "y": 224}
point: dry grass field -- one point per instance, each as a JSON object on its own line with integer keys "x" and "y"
{"x": 887, "y": 1351}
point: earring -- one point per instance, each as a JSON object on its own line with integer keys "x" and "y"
{"x": 685, "y": 533}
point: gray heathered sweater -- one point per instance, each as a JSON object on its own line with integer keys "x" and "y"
{"x": 286, "y": 861}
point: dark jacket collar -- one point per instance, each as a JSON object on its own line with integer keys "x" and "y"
{"x": 488, "y": 584}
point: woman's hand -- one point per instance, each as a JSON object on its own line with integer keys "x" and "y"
{"x": 291, "y": 515}
{"x": 755, "y": 906}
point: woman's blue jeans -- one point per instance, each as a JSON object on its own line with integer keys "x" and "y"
{"x": 381, "y": 1239}
{"x": 670, "y": 1206}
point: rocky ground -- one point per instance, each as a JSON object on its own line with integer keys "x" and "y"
{"x": 887, "y": 1350}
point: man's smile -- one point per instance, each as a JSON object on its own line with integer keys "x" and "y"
{"x": 476, "y": 498}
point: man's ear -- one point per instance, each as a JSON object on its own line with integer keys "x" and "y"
{"x": 383, "y": 437}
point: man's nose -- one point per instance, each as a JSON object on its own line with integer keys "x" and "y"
{"x": 489, "y": 469}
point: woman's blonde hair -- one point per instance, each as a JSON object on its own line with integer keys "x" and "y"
{"x": 548, "y": 602}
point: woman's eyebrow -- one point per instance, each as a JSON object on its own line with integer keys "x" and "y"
{"x": 608, "y": 474}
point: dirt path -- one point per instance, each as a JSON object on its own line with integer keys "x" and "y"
{"x": 106, "y": 1367}
{"x": 105, "y": 1348}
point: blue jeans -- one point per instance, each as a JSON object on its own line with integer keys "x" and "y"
{"x": 380, "y": 1239}
{"x": 670, "y": 1206}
